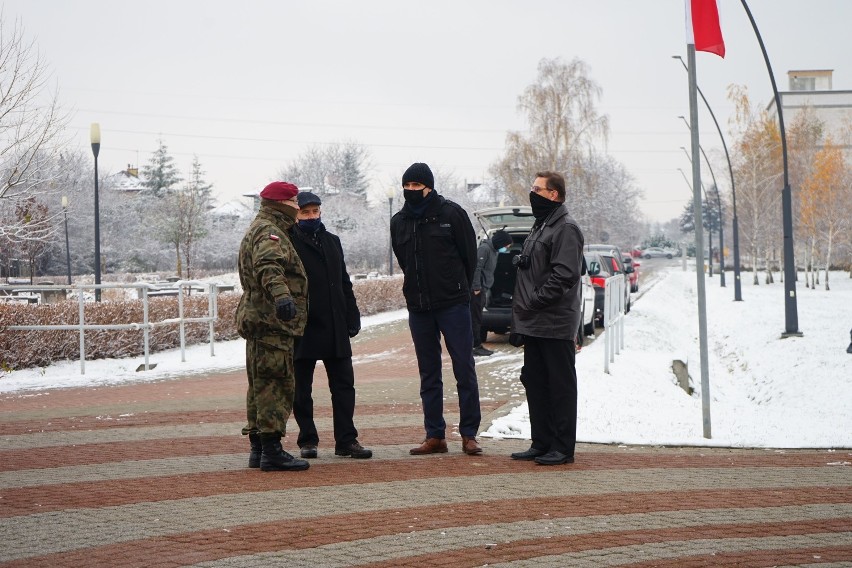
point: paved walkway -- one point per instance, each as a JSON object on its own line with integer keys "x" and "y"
{"x": 154, "y": 475}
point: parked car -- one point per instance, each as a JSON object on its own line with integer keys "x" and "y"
{"x": 634, "y": 276}
{"x": 658, "y": 252}
{"x": 613, "y": 255}
{"x": 497, "y": 313}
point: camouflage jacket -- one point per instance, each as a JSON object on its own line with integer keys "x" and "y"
{"x": 269, "y": 270}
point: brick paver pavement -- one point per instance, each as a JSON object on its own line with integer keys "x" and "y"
{"x": 154, "y": 474}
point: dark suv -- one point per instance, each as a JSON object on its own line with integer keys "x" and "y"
{"x": 497, "y": 314}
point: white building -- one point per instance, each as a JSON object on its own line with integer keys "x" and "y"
{"x": 813, "y": 88}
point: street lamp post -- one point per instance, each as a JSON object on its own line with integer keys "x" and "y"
{"x": 95, "y": 137}
{"x": 390, "y": 236}
{"x": 719, "y": 208}
{"x": 791, "y": 305}
{"x": 707, "y": 199}
{"x": 738, "y": 294}
{"x": 67, "y": 248}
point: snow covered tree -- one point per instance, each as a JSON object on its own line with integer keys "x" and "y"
{"x": 337, "y": 168}
{"x": 160, "y": 174}
{"x": 564, "y": 124}
{"x": 31, "y": 124}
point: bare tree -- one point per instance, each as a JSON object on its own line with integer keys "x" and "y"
{"x": 29, "y": 129}
{"x": 564, "y": 125}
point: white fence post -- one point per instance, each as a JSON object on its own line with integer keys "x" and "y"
{"x": 613, "y": 318}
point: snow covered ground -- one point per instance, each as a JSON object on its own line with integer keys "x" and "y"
{"x": 765, "y": 391}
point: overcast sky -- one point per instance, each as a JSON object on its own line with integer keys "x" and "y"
{"x": 248, "y": 86}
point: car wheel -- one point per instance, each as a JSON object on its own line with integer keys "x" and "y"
{"x": 648, "y": 256}
{"x": 668, "y": 256}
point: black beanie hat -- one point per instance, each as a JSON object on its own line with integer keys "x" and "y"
{"x": 419, "y": 173}
{"x": 501, "y": 239}
{"x": 308, "y": 198}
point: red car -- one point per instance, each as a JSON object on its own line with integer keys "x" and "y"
{"x": 634, "y": 276}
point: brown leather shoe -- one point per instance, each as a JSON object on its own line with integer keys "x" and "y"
{"x": 430, "y": 446}
{"x": 470, "y": 446}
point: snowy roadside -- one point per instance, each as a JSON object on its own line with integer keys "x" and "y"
{"x": 765, "y": 391}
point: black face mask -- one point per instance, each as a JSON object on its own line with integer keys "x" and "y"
{"x": 541, "y": 206}
{"x": 413, "y": 197}
{"x": 310, "y": 226}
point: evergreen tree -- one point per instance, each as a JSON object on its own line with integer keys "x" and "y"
{"x": 161, "y": 174}
{"x": 198, "y": 185}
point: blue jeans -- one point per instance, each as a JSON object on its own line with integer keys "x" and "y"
{"x": 454, "y": 324}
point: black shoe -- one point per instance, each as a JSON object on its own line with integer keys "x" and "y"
{"x": 354, "y": 450}
{"x": 528, "y": 455}
{"x": 482, "y": 351}
{"x": 554, "y": 458}
{"x": 274, "y": 458}
{"x": 308, "y": 452}
{"x": 256, "y": 450}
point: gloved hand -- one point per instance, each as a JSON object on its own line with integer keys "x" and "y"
{"x": 353, "y": 331}
{"x": 285, "y": 308}
{"x": 516, "y": 339}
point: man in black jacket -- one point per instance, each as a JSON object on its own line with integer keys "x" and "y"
{"x": 435, "y": 246}
{"x": 333, "y": 318}
{"x": 545, "y": 319}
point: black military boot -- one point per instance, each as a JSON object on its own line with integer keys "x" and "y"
{"x": 274, "y": 458}
{"x": 256, "y": 449}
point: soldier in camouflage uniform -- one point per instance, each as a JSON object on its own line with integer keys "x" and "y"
{"x": 271, "y": 313}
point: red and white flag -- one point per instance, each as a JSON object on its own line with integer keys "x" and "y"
{"x": 702, "y": 26}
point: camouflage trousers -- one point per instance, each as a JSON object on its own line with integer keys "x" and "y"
{"x": 271, "y": 384}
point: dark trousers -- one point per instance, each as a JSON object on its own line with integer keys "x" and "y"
{"x": 341, "y": 383}
{"x": 426, "y": 329}
{"x": 550, "y": 381}
{"x": 477, "y": 303}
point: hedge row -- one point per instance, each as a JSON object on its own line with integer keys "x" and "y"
{"x": 23, "y": 349}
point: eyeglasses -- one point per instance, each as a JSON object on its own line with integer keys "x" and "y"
{"x": 537, "y": 189}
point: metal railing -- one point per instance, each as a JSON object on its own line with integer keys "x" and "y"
{"x": 613, "y": 318}
{"x": 145, "y": 325}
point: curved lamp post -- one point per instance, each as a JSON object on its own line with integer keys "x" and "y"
{"x": 738, "y": 295}
{"x": 791, "y": 310}
{"x": 707, "y": 199}
{"x": 95, "y": 137}
{"x": 719, "y": 208}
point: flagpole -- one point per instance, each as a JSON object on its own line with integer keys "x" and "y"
{"x": 699, "y": 242}
{"x": 791, "y": 311}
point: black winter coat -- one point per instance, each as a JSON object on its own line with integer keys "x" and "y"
{"x": 332, "y": 310}
{"x": 437, "y": 254}
{"x": 547, "y": 297}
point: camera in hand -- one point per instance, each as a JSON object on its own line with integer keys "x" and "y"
{"x": 521, "y": 261}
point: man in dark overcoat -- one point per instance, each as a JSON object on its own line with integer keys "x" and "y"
{"x": 333, "y": 318}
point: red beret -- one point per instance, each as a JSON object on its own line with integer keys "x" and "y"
{"x": 279, "y": 191}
